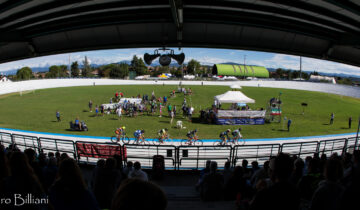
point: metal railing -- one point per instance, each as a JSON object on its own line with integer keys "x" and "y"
{"x": 176, "y": 157}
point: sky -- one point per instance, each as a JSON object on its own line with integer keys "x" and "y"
{"x": 204, "y": 55}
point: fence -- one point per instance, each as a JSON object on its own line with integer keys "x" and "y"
{"x": 176, "y": 157}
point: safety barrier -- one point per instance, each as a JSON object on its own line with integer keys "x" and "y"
{"x": 176, "y": 157}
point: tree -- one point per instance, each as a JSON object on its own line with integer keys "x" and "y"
{"x": 193, "y": 67}
{"x": 138, "y": 65}
{"x": 24, "y": 73}
{"x": 118, "y": 70}
{"x": 75, "y": 69}
{"x": 54, "y": 71}
{"x": 86, "y": 72}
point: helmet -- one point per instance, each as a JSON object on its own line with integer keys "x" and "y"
{"x": 123, "y": 127}
{"x": 228, "y": 130}
{"x": 195, "y": 130}
{"x": 142, "y": 131}
{"x": 239, "y": 129}
{"x": 166, "y": 129}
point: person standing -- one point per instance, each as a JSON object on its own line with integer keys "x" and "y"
{"x": 174, "y": 110}
{"x": 169, "y": 109}
{"x": 289, "y": 124}
{"x": 160, "y": 109}
{"x": 350, "y": 120}
{"x": 90, "y": 105}
{"x": 118, "y": 112}
{"x": 172, "y": 117}
{"x": 58, "y": 116}
{"x": 332, "y": 118}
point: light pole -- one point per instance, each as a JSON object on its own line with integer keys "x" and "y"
{"x": 244, "y": 65}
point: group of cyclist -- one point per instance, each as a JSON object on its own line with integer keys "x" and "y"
{"x": 192, "y": 138}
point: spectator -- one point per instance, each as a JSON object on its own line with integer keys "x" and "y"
{"x": 254, "y": 167}
{"x": 227, "y": 173}
{"x": 22, "y": 181}
{"x": 246, "y": 170}
{"x": 308, "y": 183}
{"x": 237, "y": 186}
{"x": 90, "y": 105}
{"x": 211, "y": 189}
{"x": 332, "y": 118}
{"x": 70, "y": 191}
{"x": 100, "y": 164}
{"x": 282, "y": 194}
{"x": 38, "y": 170}
{"x": 128, "y": 169}
{"x": 261, "y": 174}
{"x": 138, "y": 173}
{"x": 106, "y": 183}
{"x": 49, "y": 173}
{"x": 298, "y": 171}
{"x": 58, "y": 116}
{"x": 330, "y": 189}
{"x": 138, "y": 194}
{"x": 289, "y": 124}
{"x": 4, "y": 172}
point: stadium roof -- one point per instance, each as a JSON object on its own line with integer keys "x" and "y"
{"x": 327, "y": 29}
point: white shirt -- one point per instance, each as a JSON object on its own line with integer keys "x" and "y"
{"x": 139, "y": 174}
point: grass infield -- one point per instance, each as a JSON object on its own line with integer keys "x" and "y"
{"x": 35, "y": 110}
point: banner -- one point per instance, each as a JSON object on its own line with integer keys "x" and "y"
{"x": 236, "y": 113}
{"x": 240, "y": 121}
{"x": 99, "y": 151}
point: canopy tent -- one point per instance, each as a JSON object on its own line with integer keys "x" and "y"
{"x": 233, "y": 97}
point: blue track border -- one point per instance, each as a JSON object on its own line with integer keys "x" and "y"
{"x": 178, "y": 140}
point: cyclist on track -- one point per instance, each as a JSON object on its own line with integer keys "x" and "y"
{"x": 237, "y": 135}
{"x": 163, "y": 134}
{"x": 139, "y": 135}
{"x": 120, "y": 132}
{"x": 224, "y": 136}
{"x": 191, "y": 136}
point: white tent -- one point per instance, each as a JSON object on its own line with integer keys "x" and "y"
{"x": 234, "y": 97}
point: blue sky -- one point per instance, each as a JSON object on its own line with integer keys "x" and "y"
{"x": 204, "y": 55}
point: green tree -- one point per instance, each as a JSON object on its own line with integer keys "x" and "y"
{"x": 118, "y": 70}
{"x": 86, "y": 72}
{"x": 75, "y": 69}
{"x": 138, "y": 65}
{"x": 53, "y": 72}
{"x": 24, "y": 73}
{"x": 193, "y": 67}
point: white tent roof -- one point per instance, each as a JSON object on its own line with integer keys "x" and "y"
{"x": 234, "y": 97}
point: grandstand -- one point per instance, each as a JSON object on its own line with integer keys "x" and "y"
{"x": 240, "y": 70}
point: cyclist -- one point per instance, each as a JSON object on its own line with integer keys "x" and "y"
{"x": 120, "y": 132}
{"x": 163, "y": 134}
{"x": 237, "y": 135}
{"x": 224, "y": 136}
{"x": 191, "y": 136}
{"x": 139, "y": 135}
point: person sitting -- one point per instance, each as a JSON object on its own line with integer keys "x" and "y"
{"x": 224, "y": 136}
{"x": 138, "y": 173}
{"x": 138, "y": 194}
{"x": 70, "y": 190}
{"x": 77, "y": 124}
{"x": 211, "y": 189}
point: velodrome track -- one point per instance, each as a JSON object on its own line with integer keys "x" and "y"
{"x": 144, "y": 153}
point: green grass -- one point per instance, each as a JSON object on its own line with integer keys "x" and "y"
{"x": 36, "y": 111}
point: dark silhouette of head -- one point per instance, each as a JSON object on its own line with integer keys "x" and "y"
{"x": 137, "y": 165}
{"x": 283, "y": 166}
{"x": 137, "y": 194}
{"x": 70, "y": 175}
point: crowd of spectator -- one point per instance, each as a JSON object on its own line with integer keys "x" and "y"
{"x": 285, "y": 182}
{"x": 55, "y": 181}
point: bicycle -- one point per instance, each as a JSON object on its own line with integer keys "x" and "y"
{"x": 221, "y": 142}
{"x": 121, "y": 137}
{"x": 193, "y": 140}
{"x": 237, "y": 139}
